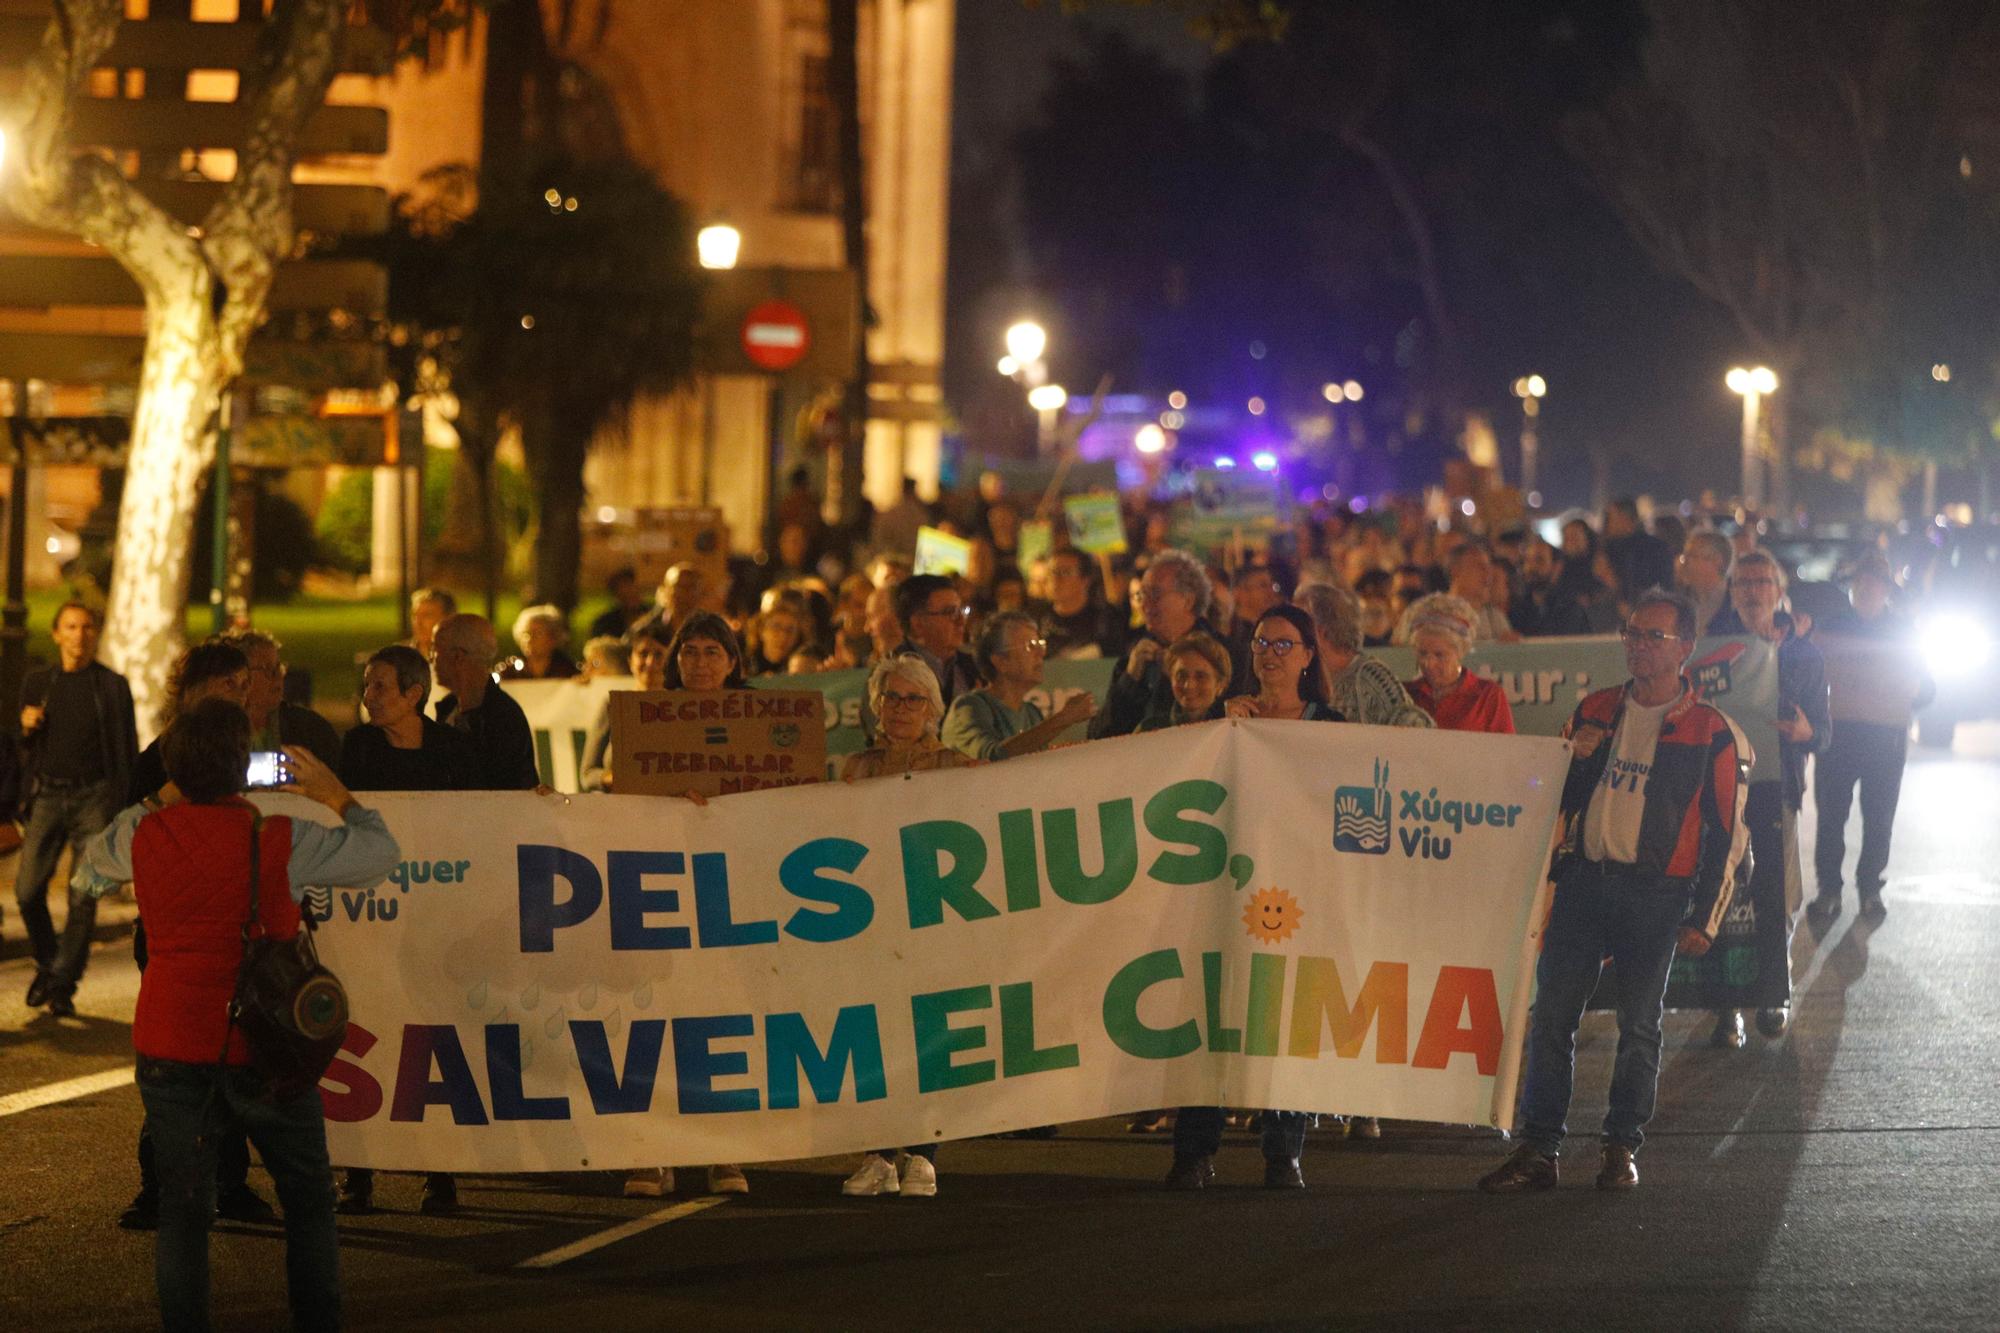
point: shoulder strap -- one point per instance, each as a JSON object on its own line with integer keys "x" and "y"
{"x": 256, "y": 870}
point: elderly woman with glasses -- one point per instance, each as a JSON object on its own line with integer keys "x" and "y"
{"x": 1441, "y": 633}
{"x": 903, "y": 691}
{"x": 998, "y": 720}
{"x": 1284, "y": 658}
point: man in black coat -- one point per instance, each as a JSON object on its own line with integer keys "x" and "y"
{"x": 462, "y": 656}
{"x": 79, "y": 741}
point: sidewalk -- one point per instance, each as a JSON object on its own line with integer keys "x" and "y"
{"x": 115, "y": 915}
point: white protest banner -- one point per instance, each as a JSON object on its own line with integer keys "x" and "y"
{"x": 560, "y": 714}
{"x": 1280, "y": 914}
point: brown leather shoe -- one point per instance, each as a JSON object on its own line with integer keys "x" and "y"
{"x": 1620, "y": 1172}
{"x": 1525, "y": 1171}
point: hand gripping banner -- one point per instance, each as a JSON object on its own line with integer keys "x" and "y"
{"x": 1293, "y": 915}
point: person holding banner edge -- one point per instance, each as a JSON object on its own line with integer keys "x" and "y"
{"x": 1654, "y": 828}
{"x": 705, "y": 655}
{"x": 904, "y": 695}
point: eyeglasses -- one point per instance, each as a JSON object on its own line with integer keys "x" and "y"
{"x": 955, "y": 613}
{"x": 1654, "y": 637}
{"x": 1279, "y": 646}
{"x": 1033, "y": 645}
{"x": 893, "y": 699}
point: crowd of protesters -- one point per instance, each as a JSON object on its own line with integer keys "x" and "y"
{"x": 953, "y": 662}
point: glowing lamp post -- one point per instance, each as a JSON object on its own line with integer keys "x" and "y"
{"x": 717, "y": 245}
{"x": 1754, "y": 384}
{"x": 1530, "y": 389}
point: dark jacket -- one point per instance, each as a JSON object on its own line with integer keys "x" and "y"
{"x": 448, "y": 760}
{"x": 117, "y": 726}
{"x": 1692, "y": 832}
{"x": 306, "y": 729}
{"x": 506, "y": 742}
{"x": 1131, "y": 699}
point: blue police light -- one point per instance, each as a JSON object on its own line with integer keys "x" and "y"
{"x": 1264, "y": 461}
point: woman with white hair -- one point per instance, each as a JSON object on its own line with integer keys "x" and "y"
{"x": 1441, "y": 631}
{"x": 540, "y": 632}
{"x": 904, "y": 693}
{"x": 1362, "y": 688}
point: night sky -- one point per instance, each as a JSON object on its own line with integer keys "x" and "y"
{"x": 1634, "y": 360}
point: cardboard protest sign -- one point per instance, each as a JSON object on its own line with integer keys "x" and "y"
{"x": 941, "y": 553}
{"x": 1035, "y": 542}
{"x": 1095, "y": 524}
{"x": 716, "y": 742}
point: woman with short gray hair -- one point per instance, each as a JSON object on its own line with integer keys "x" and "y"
{"x": 903, "y": 692}
{"x": 1362, "y": 688}
{"x": 997, "y": 720}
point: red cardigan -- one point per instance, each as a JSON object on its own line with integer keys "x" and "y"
{"x": 1474, "y": 704}
{"x": 191, "y": 874}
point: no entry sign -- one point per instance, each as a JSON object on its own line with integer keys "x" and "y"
{"x": 775, "y": 336}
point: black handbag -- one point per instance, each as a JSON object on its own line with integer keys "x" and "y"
{"x": 290, "y": 1008}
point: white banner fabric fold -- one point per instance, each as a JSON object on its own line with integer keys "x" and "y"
{"x": 1329, "y": 918}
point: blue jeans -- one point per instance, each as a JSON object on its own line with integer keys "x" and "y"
{"x": 1635, "y": 921}
{"x": 189, "y": 1107}
{"x": 62, "y": 814}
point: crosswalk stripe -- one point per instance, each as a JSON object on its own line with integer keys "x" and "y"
{"x": 51, "y": 1093}
{"x": 623, "y": 1231}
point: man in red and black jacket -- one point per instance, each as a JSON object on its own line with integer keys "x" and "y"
{"x": 1654, "y": 827}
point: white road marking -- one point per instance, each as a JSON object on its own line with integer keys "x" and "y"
{"x": 623, "y": 1231}
{"x": 51, "y": 1093}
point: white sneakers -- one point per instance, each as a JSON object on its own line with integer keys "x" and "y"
{"x": 726, "y": 1179}
{"x": 649, "y": 1182}
{"x": 876, "y": 1176}
{"x": 919, "y": 1178}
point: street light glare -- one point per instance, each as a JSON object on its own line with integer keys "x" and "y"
{"x": 1256, "y": 407}
{"x": 1150, "y": 439}
{"x": 1026, "y": 341}
{"x": 1763, "y": 380}
{"x": 1738, "y": 380}
{"x": 1537, "y": 386}
{"x": 1009, "y": 367}
{"x": 1760, "y": 380}
{"x": 1352, "y": 389}
{"x": 717, "y": 245}
{"x": 1177, "y": 400}
{"x": 1047, "y": 397}
{"x": 1333, "y": 393}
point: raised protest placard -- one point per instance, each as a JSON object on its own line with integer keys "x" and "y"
{"x": 939, "y": 552}
{"x": 716, "y": 742}
{"x": 1262, "y": 913}
{"x": 1095, "y": 525}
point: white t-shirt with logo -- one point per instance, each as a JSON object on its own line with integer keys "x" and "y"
{"x": 1611, "y": 823}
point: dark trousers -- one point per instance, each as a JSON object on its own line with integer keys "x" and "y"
{"x": 232, "y": 1150}
{"x": 1635, "y": 921}
{"x": 1869, "y": 755}
{"x": 1198, "y": 1133}
{"x": 63, "y": 815}
{"x": 189, "y": 1108}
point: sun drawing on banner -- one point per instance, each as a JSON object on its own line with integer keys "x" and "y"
{"x": 1273, "y": 915}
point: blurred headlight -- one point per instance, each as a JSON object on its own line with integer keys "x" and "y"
{"x": 1955, "y": 645}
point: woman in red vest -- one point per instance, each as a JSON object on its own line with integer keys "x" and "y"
{"x": 187, "y": 853}
{"x": 1441, "y": 628}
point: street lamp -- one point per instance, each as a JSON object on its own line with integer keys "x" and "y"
{"x": 717, "y": 245}
{"x": 1530, "y": 389}
{"x": 1754, "y": 384}
{"x": 1026, "y": 341}
{"x": 1047, "y": 400}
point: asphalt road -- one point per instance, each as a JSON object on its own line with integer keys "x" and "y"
{"x": 1842, "y": 1177}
